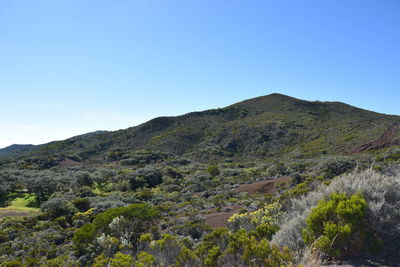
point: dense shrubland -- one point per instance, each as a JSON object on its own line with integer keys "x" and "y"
{"x": 151, "y": 209}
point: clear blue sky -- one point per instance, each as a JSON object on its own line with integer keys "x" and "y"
{"x": 70, "y": 67}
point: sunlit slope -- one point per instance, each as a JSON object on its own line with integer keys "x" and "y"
{"x": 261, "y": 127}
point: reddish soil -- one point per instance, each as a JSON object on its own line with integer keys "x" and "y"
{"x": 68, "y": 163}
{"x": 385, "y": 140}
{"x": 265, "y": 187}
{"x": 220, "y": 219}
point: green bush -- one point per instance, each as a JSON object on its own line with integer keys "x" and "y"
{"x": 82, "y": 204}
{"x": 142, "y": 214}
{"x": 224, "y": 248}
{"x": 262, "y": 222}
{"x": 333, "y": 166}
{"x": 213, "y": 170}
{"x": 335, "y": 226}
{"x": 256, "y": 252}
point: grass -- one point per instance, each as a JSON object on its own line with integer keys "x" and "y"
{"x": 21, "y": 203}
{"x": 98, "y": 192}
{"x": 18, "y": 207}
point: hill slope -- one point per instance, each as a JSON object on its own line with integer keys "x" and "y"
{"x": 262, "y": 127}
{"x": 14, "y": 149}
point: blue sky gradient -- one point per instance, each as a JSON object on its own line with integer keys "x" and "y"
{"x": 70, "y": 67}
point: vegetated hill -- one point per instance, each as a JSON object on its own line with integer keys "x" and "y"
{"x": 261, "y": 127}
{"x": 14, "y": 149}
{"x": 18, "y": 150}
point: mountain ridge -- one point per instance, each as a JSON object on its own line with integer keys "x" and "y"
{"x": 261, "y": 127}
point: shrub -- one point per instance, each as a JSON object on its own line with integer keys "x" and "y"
{"x": 59, "y": 206}
{"x": 186, "y": 258}
{"x": 145, "y": 177}
{"x": 141, "y": 217}
{"x": 119, "y": 260}
{"x": 112, "y": 200}
{"x": 336, "y": 226}
{"x": 389, "y": 156}
{"x": 84, "y": 179}
{"x": 256, "y": 252}
{"x": 82, "y": 204}
{"x": 381, "y": 192}
{"x": 222, "y": 248}
{"x": 166, "y": 249}
{"x": 213, "y": 170}
{"x": 145, "y": 260}
{"x": 333, "y": 166}
{"x": 263, "y": 221}
{"x": 194, "y": 227}
{"x": 103, "y": 179}
{"x": 122, "y": 260}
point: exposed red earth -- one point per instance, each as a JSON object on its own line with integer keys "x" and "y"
{"x": 69, "y": 162}
{"x": 265, "y": 187}
{"x": 385, "y": 140}
{"x": 220, "y": 219}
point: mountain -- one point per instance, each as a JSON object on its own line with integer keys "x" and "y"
{"x": 14, "y": 149}
{"x": 17, "y": 149}
{"x": 263, "y": 127}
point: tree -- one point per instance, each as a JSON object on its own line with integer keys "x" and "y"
{"x": 41, "y": 187}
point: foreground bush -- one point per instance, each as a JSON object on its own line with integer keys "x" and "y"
{"x": 381, "y": 193}
{"x": 224, "y": 248}
{"x": 336, "y": 226}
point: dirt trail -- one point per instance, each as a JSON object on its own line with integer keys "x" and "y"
{"x": 385, "y": 140}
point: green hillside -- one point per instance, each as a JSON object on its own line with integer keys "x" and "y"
{"x": 262, "y": 127}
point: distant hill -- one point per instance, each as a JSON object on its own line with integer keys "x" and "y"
{"x": 262, "y": 127}
{"x": 14, "y": 149}
{"x": 17, "y": 149}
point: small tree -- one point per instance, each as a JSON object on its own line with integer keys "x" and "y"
{"x": 41, "y": 187}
